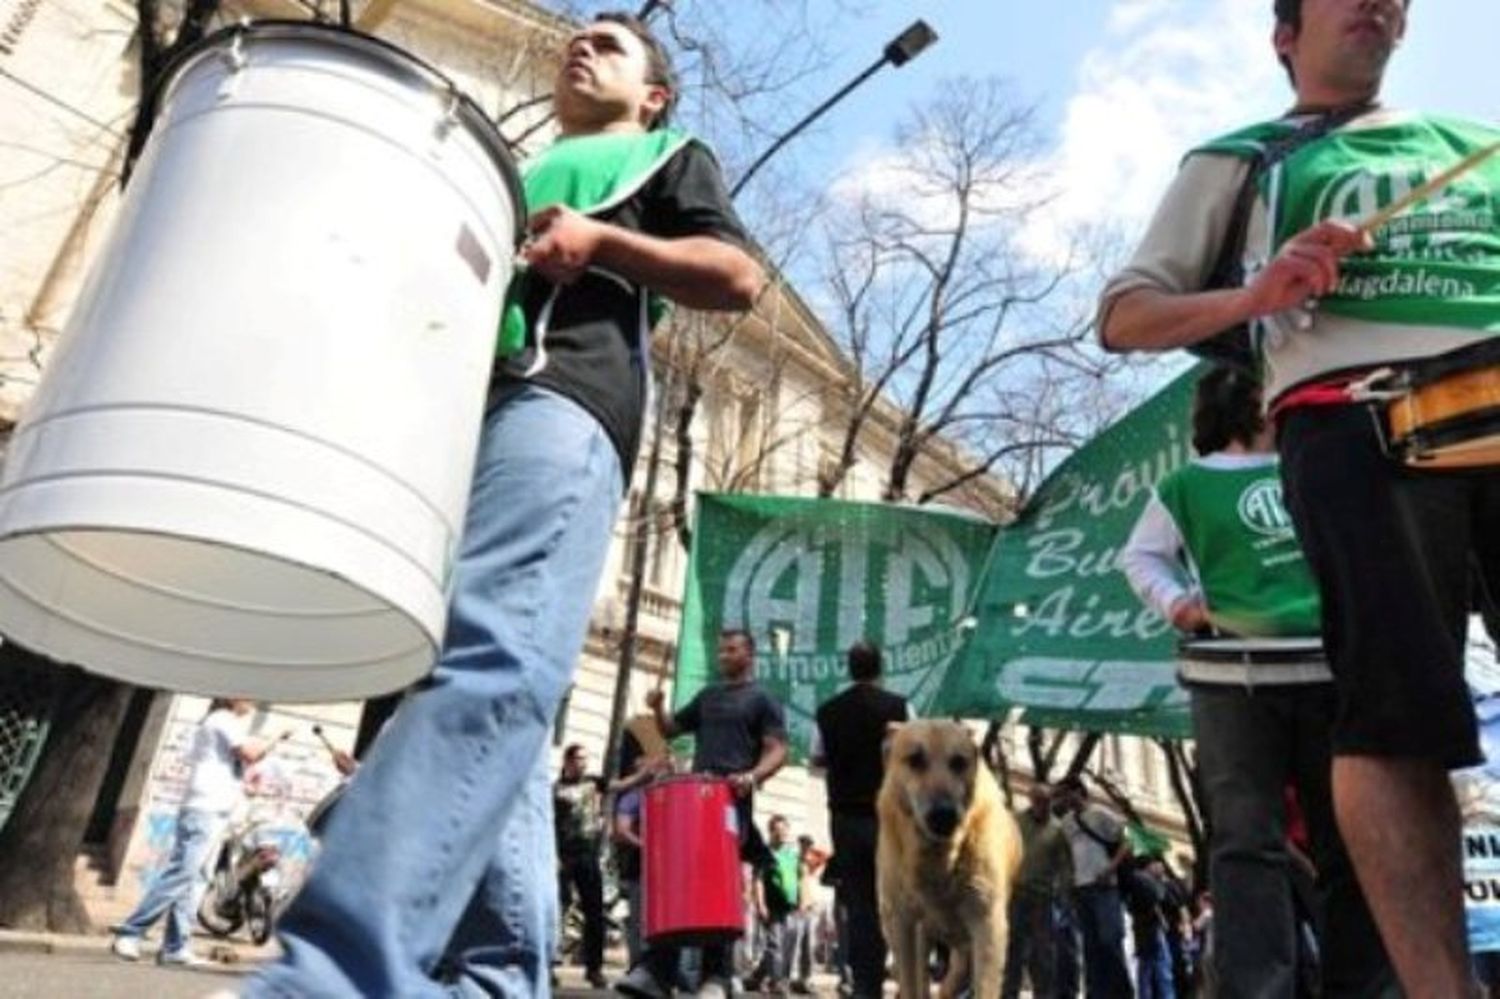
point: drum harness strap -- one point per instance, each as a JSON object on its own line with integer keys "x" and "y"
{"x": 1236, "y": 347}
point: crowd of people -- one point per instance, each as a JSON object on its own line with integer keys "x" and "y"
{"x": 1087, "y": 912}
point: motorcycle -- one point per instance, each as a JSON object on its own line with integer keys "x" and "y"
{"x": 242, "y": 888}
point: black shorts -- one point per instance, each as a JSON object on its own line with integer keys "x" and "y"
{"x": 1400, "y": 558}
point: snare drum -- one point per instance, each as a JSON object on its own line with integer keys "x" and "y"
{"x": 691, "y": 861}
{"x": 1443, "y": 413}
{"x": 1252, "y": 661}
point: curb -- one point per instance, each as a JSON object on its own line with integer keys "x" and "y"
{"x": 223, "y": 955}
{"x": 24, "y": 942}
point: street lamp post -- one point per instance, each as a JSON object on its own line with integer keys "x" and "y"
{"x": 898, "y": 52}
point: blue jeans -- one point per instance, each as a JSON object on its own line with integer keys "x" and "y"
{"x": 1153, "y": 968}
{"x": 1065, "y": 919}
{"x": 438, "y": 875}
{"x": 178, "y": 889}
{"x": 1101, "y": 923}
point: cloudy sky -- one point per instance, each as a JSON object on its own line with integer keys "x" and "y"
{"x": 1124, "y": 87}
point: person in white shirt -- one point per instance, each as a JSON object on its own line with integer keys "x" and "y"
{"x": 218, "y": 751}
{"x": 1096, "y": 836}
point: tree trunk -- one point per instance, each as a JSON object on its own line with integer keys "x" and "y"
{"x": 40, "y": 843}
{"x": 1183, "y": 788}
{"x": 1039, "y": 768}
{"x": 692, "y": 394}
{"x": 1117, "y": 795}
{"x": 1043, "y": 758}
{"x": 1081, "y": 757}
{"x": 992, "y": 751}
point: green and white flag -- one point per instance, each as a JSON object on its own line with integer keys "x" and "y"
{"x": 808, "y": 578}
{"x": 972, "y": 620}
{"x": 1059, "y": 630}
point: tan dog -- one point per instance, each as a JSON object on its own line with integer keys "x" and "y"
{"x": 948, "y": 855}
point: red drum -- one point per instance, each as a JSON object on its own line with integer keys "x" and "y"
{"x": 691, "y": 861}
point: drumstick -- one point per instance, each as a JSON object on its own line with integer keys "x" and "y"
{"x": 1442, "y": 180}
{"x": 318, "y": 731}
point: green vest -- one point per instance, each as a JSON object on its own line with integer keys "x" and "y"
{"x": 788, "y": 873}
{"x": 1240, "y": 539}
{"x": 590, "y": 174}
{"x": 1435, "y": 264}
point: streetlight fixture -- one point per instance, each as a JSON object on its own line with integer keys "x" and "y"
{"x": 909, "y": 44}
{"x": 898, "y": 52}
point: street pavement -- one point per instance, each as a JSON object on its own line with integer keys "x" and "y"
{"x": 90, "y": 975}
{"x": 98, "y": 975}
{"x": 51, "y": 966}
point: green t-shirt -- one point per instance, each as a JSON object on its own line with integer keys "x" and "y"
{"x": 788, "y": 872}
{"x": 1241, "y": 542}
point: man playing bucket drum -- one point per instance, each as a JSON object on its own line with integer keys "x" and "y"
{"x": 1330, "y": 300}
{"x": 1214, "y": 552}
{"x": 437, "y": 872}
{"x": 741, "y": 736}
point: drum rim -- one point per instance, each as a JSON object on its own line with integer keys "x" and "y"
{"x": 1425, "y": 442}
{"x": 484, "y": 130}
{"x": 1278, "y": 651}
{"x": 1270, "y": 643}
{"x": 687, "y": 778}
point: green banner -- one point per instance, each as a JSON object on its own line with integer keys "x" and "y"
{"x": 808, "y": 578}
{"x": 972, "y": 621}
{"x": 1060, "y": 632}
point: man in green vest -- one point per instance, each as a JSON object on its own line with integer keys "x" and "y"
{"x": 1390, "y": 549}
{"x": 438, "y": 871}
{"x": 1214, "y": 553}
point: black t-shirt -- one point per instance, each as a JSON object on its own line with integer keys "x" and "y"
{"x": 594, "y": 349}
{"x": 730, "y": 721}
{"x": 852, "y": 727}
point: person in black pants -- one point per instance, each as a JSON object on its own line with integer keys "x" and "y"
{"x": 847, "y": 744}
{"x": 741, "y": 736}
{"x": 578, "y": 818}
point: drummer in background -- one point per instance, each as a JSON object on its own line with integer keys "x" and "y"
{"x": 741, "y": 736}
{"x": 1214, "y": 553}
{"x": 439, "y": 862}
{"x": 1390, "y": 548}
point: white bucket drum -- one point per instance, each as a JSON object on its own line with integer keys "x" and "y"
{"x": 246, "y": 469}
{"x": 1252, "y": 660}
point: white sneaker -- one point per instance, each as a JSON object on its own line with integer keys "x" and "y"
{"x": 714, "y": 988}
{"x": 126, "y": 948}
{"x": 183, "y": 958}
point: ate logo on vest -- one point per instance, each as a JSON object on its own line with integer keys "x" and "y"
{"x": 1262, "y": 511}
{"x": 1461, "y": 209}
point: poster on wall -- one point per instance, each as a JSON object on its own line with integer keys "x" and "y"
{"x": 1478, "y": 790}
